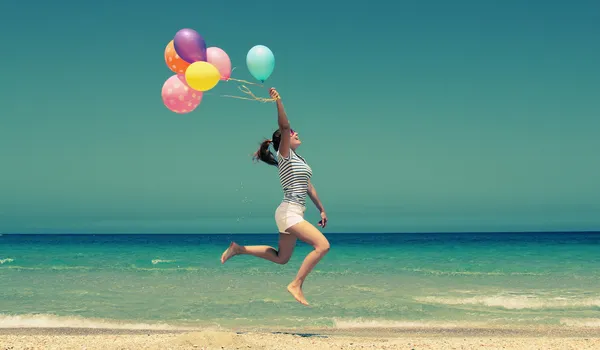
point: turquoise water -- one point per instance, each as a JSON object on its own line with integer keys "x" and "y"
{"x": 375, "y": 280}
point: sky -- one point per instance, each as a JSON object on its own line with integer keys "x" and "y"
{"x": 416, "y": 116}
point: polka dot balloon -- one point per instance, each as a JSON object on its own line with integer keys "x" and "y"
{"x": 178, "y": 97}
{"x": 173, "y": 61}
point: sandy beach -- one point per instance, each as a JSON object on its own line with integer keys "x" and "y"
{"x": 85, "y": 338}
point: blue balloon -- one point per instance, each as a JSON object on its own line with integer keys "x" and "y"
{"x": 260, "y": 62}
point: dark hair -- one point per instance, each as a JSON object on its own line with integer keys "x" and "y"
{"x": 264, "y": 153}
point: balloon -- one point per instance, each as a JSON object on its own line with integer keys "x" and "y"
{"x": 173, "y": 61}
{"x": 202, "y": 76}
{"x": 260, "y": 62}
{"x": 178, "y": 96}
{"x": 219, "y": 58}
{"x": 190, "y": 45}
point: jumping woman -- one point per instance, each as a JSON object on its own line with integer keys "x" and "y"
{"x": 294, "y": 174}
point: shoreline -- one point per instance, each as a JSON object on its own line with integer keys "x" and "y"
{"x": 524, "y": 338}
{"x": 439, "y": 331}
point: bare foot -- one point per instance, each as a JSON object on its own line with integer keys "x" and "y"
{"x": 295, "y": 290}
{"x": 230, "y": 252}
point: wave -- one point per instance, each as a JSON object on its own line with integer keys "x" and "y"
{"x": 6, "y": 260}
{"x": 156, "y": 269}
{"x": 57, "y": 268}
{"x": 399, "y": 324}
{"x": 158, "y": 261}
{"x": 363, "y": 288}
{"x": 581, "y": 322}
{"x": 516, "y": 302}
{"x": 471, "y": 273}
{"x": 499, "y": 323}
{"x": 54, "y": 321}
{"x": 133, "y": 268}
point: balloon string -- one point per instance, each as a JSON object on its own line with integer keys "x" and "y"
{"x": 252, "y": 97}
{"x": 244, "y": 82}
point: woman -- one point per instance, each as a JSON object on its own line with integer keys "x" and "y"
{"x": 294, "y": 174}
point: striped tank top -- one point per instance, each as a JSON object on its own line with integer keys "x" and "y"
{"x": 294, "y": 174}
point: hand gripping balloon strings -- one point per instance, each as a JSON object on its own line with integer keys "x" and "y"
{"x": 252, "y": 97}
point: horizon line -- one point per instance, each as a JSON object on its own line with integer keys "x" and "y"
{"x": 325, "y": 233}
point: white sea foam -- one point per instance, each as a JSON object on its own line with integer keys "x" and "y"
{"x": 53, "y": 321}
{"x": 6, "y": 260}
{"x": 159, "y": 261}
{"x": 515, "y": 302}
{"x": 581, "y": 322}
{"x": 367, "y": 323}
{"x": 470, "y": 273}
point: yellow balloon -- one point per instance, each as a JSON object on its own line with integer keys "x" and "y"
{"x": 202, "y": 76}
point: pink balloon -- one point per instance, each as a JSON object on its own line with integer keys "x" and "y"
{"x": 219, "y": 58}
{"x": 178, "y": 96}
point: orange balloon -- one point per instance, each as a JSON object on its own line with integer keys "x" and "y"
{"x": 173, "y": 61}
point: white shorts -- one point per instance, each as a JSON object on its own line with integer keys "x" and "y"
{"x": 288, "y": 215}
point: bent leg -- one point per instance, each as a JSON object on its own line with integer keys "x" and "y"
{"x": 306, "y": 232}
{"x": 287, "y": 243}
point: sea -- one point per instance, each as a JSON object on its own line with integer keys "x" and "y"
{"x": 175, "y": 281}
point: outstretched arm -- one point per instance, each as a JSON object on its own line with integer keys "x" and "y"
{"x": 284, "y": 125}
{"x": 312, "y": 193}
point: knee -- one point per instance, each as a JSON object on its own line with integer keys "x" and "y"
{"x": 283, "y": 261}
{"x": 322, "y": 248}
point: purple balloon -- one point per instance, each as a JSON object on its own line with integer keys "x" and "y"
{"x": 190, "y": 45}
